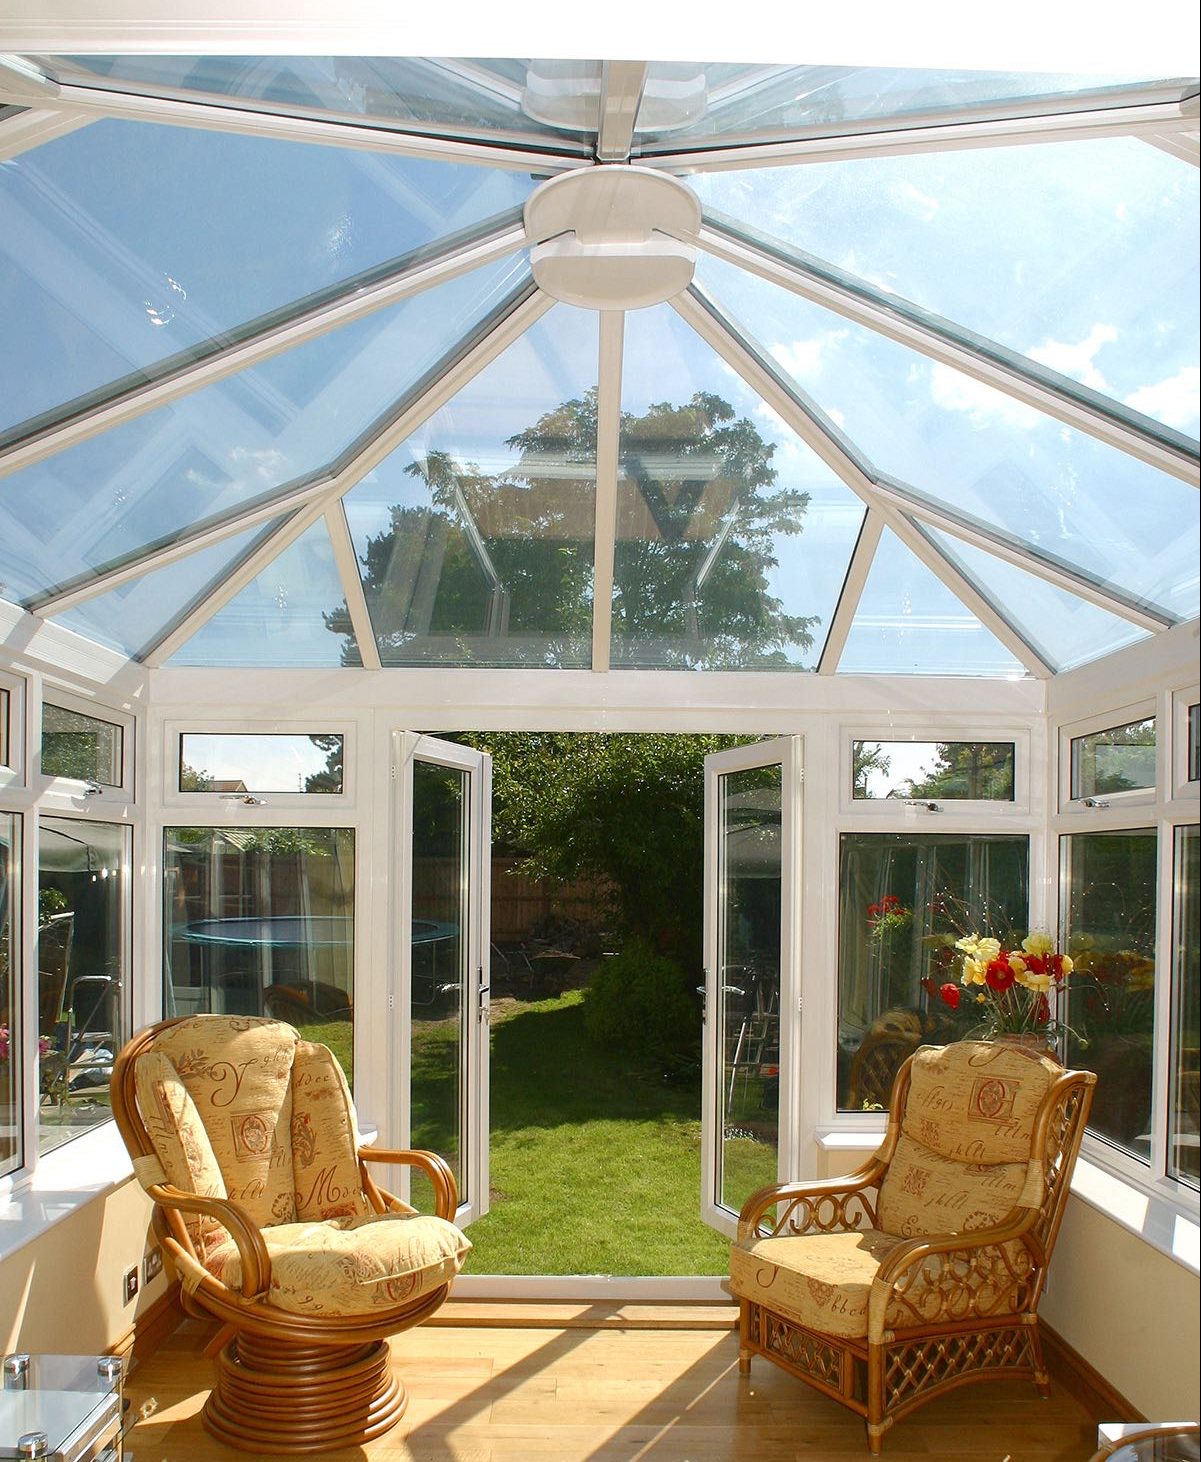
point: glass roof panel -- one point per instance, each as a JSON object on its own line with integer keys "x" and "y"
{"x": 230, "y": 443}
{"x": 1064, "y": 628}
{"x": 476, "y": 536}
{"x": 733, "y": 538}
{"x": 975, "y": 450}
{"x": 704, "y": 102}
{"x": 1080, "y": 255}
{"x": 410, "y": 93}
{"x": 132, "y": 615}
{"x": 125, "y": 243}
{"x": 909, "y": 623}
{"x": 293, "y": 614}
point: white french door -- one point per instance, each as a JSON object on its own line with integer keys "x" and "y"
{"x": 752, "y": 972}
{"x": 441, "y": 996}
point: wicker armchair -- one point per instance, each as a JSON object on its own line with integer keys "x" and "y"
{"x": 245, "y": 1137}
{"x": 922, "y": 1270}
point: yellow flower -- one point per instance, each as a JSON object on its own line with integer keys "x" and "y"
{"x": 1039, "y": 944}
{"x": 987, "y": 950}
{"x": 1066, "y": 966}
{"x": 1032, "y": 981}
{"x": 968, "y": 944}
{"x": 973, "y": 972}
{"x": 981, "y": 999}
{"x": 1017, "y": 964}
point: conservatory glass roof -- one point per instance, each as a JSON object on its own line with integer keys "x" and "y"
{"x": 401, "y": 362}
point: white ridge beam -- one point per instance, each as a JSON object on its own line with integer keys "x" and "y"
{"x": 259, "y": 120}
{"x": 352, "y": 584}
{"x": 911, "y": 136}
{"x": 608, "y": 428}
{"x": 1186, "y": 145}
{"x": 359, "y": 462}
{"x": 350, "y": 304}
{"x": 852, "y": 591}
{"x": 34, "y": 126}
{"x": 621, "y": 96}
{"x": 825, "y": 441}
{"x": 1004, "y": 371}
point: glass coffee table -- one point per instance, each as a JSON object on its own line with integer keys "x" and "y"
{"x": 66, "y": 1408}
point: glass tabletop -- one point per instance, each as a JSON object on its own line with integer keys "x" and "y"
{"x": 75, "y": 1400}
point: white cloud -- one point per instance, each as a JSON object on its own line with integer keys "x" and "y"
{"x": 1077, "y": 360}
{"x": 983, "y": 405}
{"x": 804, "y": 360}
{"x": 1173, "y": 401}
{"x": 912, "y": 201}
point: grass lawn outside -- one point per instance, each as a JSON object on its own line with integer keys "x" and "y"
{"x": 595, "y": 1158}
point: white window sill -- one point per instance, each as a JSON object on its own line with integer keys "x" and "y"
{"x": 61, "y": 1184}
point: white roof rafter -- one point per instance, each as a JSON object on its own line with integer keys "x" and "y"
{"x": 440, "y": 385}
{"x": 256, "y": 341}
{"x": 984, "y": 360}
{"x": 858, "y": 569}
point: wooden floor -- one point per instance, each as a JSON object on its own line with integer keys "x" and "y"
{"x": 586, "y": 1382}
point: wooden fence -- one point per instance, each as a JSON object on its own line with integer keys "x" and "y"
{"x": 519, "y": 903}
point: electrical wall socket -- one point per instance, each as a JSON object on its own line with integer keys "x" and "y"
{"x": 152, "y": 1264}
{"x": 131, "y": 1284}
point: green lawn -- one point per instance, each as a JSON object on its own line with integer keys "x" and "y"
{"x": 595, "y": 1159}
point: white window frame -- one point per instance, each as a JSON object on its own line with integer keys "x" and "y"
{"x": 204, "y": 805}
{"x": 13, "y": 770}
{"x": 1182, "y": 788}
{"x": 76, "y": 789}
{"x": 1118, "y": 802}
{"x": 953, "y": 728}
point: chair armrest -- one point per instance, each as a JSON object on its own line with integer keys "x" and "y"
{"x": 976, "y": 1274}
{"x": 446, "y": 1190}
{"x": 824, "y": 1205}
{"x": 246, "y": 1234}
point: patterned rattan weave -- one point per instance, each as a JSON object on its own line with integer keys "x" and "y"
{"x": 944, "y": 1309}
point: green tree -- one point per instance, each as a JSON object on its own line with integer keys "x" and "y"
{"x": 971, "y": 769}
{"x": 625, "y": 809}
{"x": 329, "y": 779}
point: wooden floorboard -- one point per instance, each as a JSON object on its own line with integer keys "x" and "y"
{"x": 570, "y": 1393}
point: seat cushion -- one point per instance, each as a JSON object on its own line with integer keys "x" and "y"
{"x": 352, "y": 1266}
{"x": 821, "y": 1281}
{"x": 926, "y": 1193}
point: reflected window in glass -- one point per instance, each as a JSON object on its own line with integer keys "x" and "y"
{"x": 260, "y": 921}
{"x": 904, "y": 899}
{"x": 83, "y": 915}
{"x": 1118, "y": 759}
{"x": 1184, "y": 1118}
{"x": 83, "y": 747}
{"x": 1109, "y": 884}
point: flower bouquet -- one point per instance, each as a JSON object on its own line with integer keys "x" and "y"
{"x": 1013, "y": 988}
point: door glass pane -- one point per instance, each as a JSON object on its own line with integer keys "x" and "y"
{"x": 1184, "y": 1158}
{"x": 81, "y": 951}
{"x": 1111, "y": 1002}
{"x": 440, "y": 953}
{"x": 10, "y": 967}
{"x": 748, "y": 981}
{"x": 904, "y": 899}
{"x": 260, "y": 921}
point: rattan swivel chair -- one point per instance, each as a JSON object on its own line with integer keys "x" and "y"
{"x": 245, "y": 1137}
{"x": 922, "y": 1270}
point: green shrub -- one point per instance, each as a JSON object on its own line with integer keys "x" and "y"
{"x": 638, "y": 1001}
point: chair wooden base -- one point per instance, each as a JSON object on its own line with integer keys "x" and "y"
{"x": 276, "y": 1396}
{"x": 884, "y": 1382}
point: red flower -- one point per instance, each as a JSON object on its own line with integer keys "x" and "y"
{"x": 872, "y": 910}
{"x": 1042, "y": 1011}
{"x": 998, "y": 976}
{"x": 1036, "y": 964}
{"x": 928, "y": 985}
{"x": 952, "y": 994}
{"x": 1055, "y": 965}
